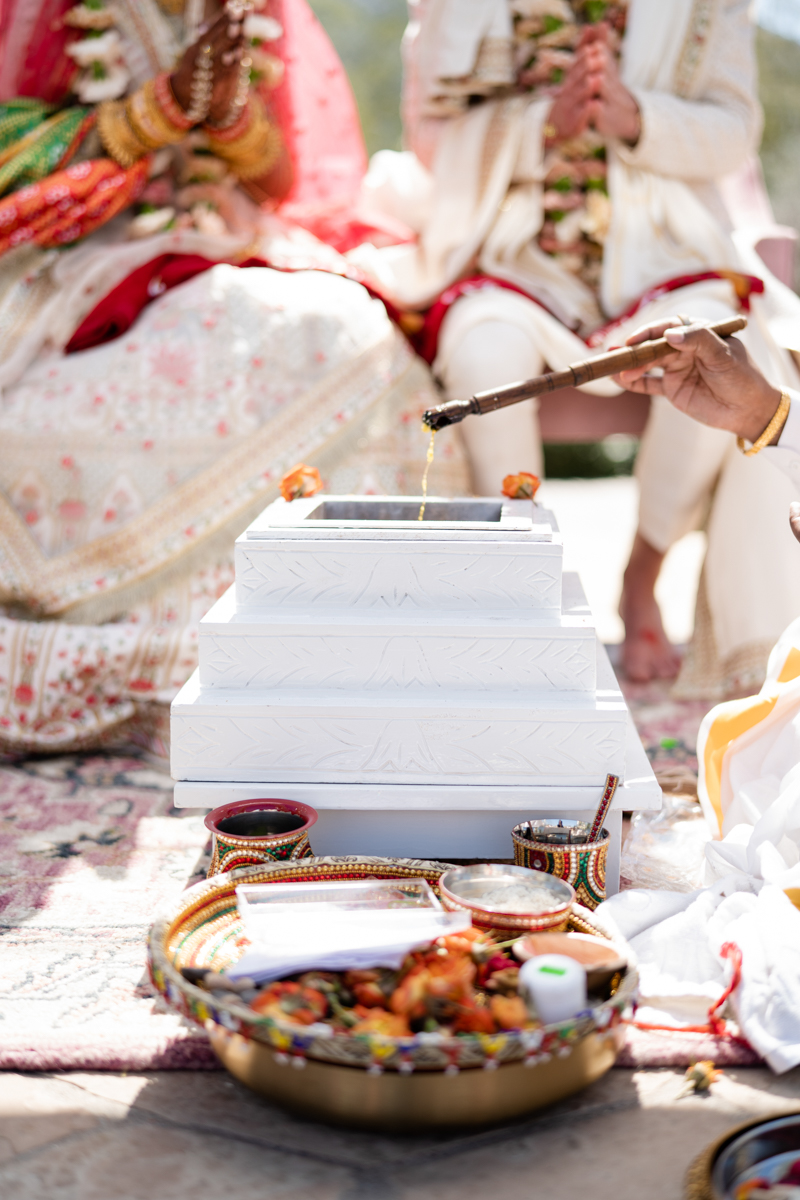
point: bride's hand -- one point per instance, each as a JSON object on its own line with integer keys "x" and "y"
{"x": 226, "y": 39}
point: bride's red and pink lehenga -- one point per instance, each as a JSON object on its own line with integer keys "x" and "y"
{"x": 173, "y": 339}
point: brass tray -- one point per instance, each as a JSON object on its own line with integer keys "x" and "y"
{"x": 421, "y": 1081}
{"x": 700, "y": 1183}
{"x": 424, "y": 1100}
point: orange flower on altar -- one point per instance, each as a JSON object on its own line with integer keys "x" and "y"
{"x": 521, "y": 487}
{"x": 301, "y": 481}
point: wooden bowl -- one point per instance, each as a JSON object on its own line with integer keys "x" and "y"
{"x": 601, "y": 958}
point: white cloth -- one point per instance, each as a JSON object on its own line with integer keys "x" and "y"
{"x": 748, "y": 752}
{"x": 474, "y": 193}
{"x": 486, "y": 344}
{"x": 682, "y": 971}
{"x": 692, "y": 476}
{"x": 751, "y": 801}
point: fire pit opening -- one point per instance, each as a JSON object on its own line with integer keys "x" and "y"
{"x": 390, "y": 509}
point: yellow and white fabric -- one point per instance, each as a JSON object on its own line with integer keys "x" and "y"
{"x": 749, "y": 757}
{"x": 749, "y": 785}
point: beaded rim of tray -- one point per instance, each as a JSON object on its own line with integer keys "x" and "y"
{"x": 203, "y": 929}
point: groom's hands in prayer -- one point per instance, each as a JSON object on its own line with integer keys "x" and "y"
{"x": 709, "y": 378}
{"x": 593, "y": 95}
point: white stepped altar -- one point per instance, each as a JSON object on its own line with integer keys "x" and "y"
{"x": 424, "y": 685}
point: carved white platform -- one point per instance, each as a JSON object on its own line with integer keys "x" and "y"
{"x": 424, "y": 686}
{"x": 508, "y": 651}
{"x": 468, "y": 566}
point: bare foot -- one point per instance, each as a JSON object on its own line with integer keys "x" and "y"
{"x": 647, "y": 652}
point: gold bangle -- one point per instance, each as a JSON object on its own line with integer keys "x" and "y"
{"x": 550, "y": 132}
{"x": 256, "y": 150}
{"x": 150, "y": 124}
{"x": 777, "y": 423}
{"x": 116, "y": 134}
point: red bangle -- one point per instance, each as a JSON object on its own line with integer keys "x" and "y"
{"x": 168, "y": 104}
{"x": 232, "y": 132}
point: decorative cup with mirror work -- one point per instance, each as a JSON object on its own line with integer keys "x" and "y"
{"x": 562, "y": 848}
{"x": 250, "y": 832}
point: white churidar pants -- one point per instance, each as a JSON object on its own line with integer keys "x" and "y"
{"x": 689, "y": 475}
{"x": 487, "y": 341}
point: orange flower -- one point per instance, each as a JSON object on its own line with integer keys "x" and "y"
{"x": 474, "y": 1018}
{"x": 509, "y": 1012}
{"x": 441, "y": 980}
{"x": 291, "y": 1002}
{"x": 380, "y": 1022}
{"x": 463, "y": 942}
{"x": 521, "y": 487}
{"x": 301, "y": 481}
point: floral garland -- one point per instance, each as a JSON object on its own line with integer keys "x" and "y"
{"x": 576, "y": 203}
{"x": 99, "y": 54}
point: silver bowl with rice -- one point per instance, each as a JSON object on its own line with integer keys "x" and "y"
{"x": 510, "y": 898}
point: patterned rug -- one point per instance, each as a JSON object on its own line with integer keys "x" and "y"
{"x": 91, "y": 846}
{"x": 668, "y": 728}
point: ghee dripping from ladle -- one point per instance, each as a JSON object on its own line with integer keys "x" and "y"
{"x": 428, "y": 461}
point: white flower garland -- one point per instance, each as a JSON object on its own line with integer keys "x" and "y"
{"x": 104, "y": 74}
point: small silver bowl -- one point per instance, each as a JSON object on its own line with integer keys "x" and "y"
{"x": 557, "y": 833}
{"x": 766, "y": 1149}
{"x": 467, "y": 887}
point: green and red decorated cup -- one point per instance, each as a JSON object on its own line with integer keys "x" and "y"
{"x": 581, "y": 864}
{"x": 247, "y": 833}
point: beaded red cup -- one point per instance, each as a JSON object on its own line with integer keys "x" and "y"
{"x": 249, "y": 832}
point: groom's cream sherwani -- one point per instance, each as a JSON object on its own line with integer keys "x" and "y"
{"x": 471, "y": 185}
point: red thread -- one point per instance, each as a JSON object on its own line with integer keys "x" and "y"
{"x": 716, "y": 1026}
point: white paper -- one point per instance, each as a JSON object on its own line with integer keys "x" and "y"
{"x": 302, "y": 937}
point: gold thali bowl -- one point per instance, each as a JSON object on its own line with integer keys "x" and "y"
{"x": 420, "y": 1082}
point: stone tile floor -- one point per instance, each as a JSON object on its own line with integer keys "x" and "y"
{"x": 173, "y": 1135}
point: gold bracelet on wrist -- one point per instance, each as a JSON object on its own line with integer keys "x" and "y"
{"x": 149, "y": 123}
{"x": 776, "y": 424}
{"x": 550, "y": 132}
{"x": 115, "y": 132}
{"x": 131, "y": 128}
{"x": 254, "y": 151}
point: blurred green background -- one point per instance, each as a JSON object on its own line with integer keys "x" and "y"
{"x": 367, "y": 35}
{"x": 779, "y": 70}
